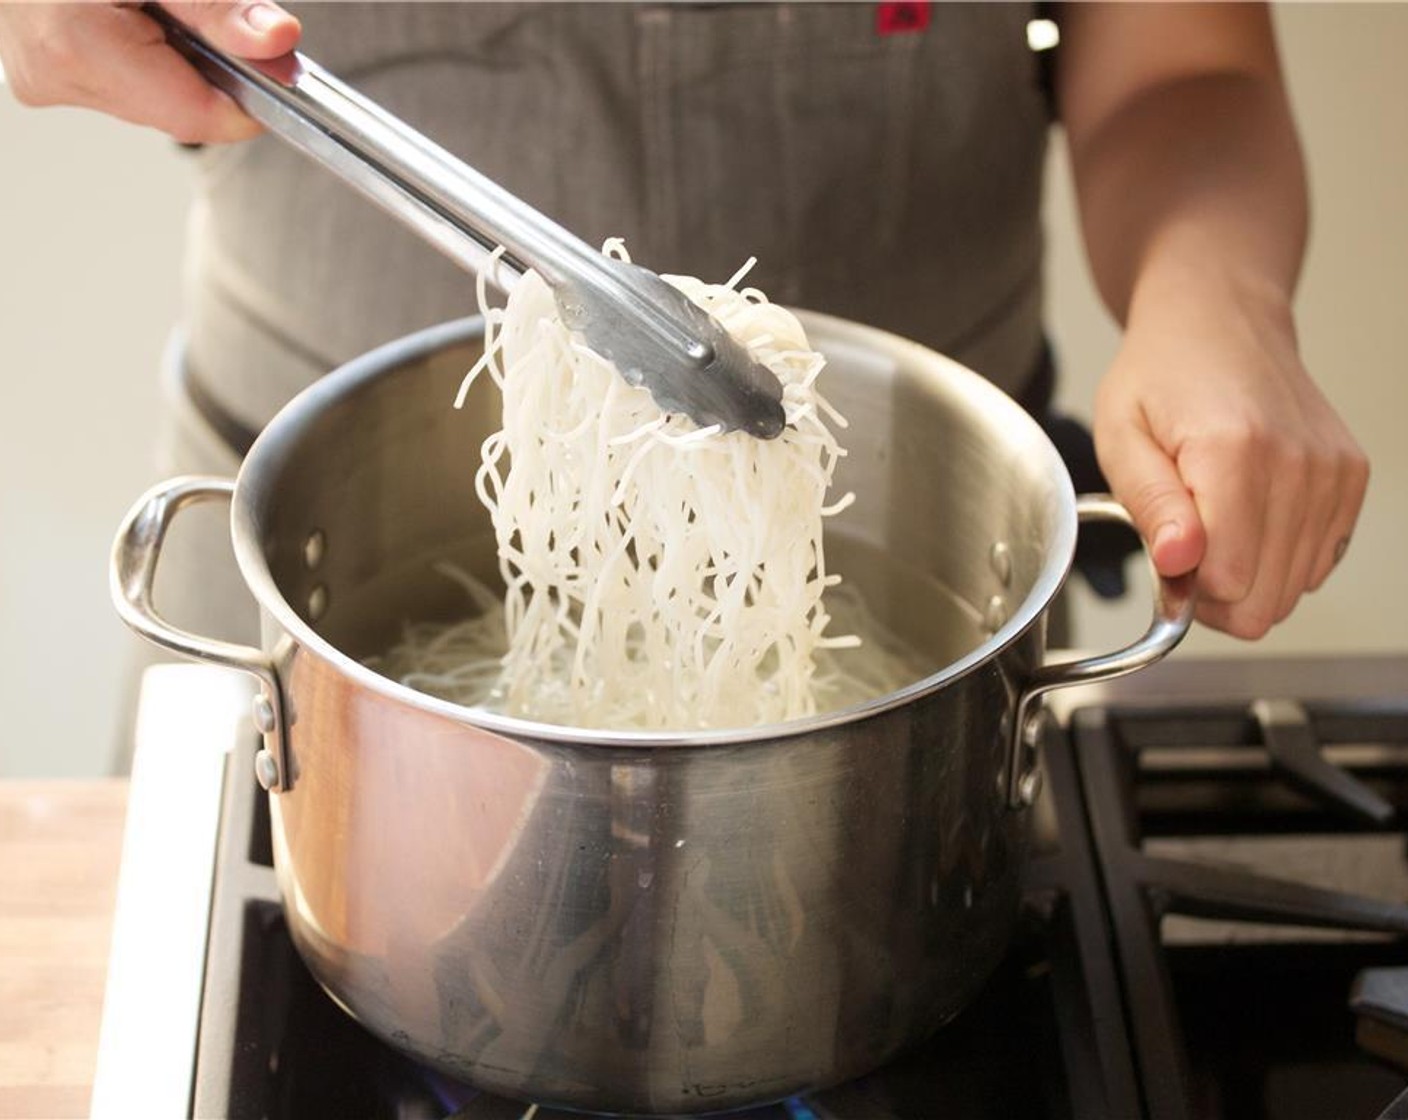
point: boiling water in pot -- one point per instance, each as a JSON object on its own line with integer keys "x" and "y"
{"x": 910, "y": 623}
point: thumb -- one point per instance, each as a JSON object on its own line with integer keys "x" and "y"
{"x": 1146, "y": 482}
{"x": 253, "y": 29}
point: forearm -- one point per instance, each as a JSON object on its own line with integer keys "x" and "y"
{"x": 1185, "y": 156}
{"x": 1196, "y": 185}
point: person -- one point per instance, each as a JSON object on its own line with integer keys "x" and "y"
{"x": 883, "y": 161}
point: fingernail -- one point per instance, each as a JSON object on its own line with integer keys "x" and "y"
{"x": 1165, "y": 534}
{"x": 263, "y": 17}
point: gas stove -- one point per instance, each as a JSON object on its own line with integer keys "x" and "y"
{"x": 1214, "y": 923}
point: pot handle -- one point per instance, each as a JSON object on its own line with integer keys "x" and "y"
{"x": 131, "y": 571}
{"x": 1174, "y": 604}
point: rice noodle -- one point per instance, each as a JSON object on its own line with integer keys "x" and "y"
{"x": 658, "y": 575}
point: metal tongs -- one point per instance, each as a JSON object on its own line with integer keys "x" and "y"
{"x": 654, "y": 334}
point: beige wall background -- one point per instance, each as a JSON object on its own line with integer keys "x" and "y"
{"x": 91, "y": 214}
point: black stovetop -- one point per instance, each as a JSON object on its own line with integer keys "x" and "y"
{"x": 1101, "y": 1009}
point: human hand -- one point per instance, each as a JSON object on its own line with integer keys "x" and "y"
{"x": 112, "y": 58}
{"x": 1225, "y": 452}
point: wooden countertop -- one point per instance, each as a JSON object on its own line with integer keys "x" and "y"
{"x": 60, "y": 846}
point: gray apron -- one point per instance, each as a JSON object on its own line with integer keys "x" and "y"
{"x": 890, "y": 178}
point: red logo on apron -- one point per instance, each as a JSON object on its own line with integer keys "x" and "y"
{"x": 901, "y": 16}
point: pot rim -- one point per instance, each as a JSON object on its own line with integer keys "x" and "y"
{"x": 280, "y": 436}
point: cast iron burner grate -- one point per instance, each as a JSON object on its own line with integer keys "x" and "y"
{"x": 1244, "y": 1028}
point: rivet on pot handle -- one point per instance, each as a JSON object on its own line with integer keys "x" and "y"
{"x": 1174, "y": 604}
{"x": 132, "y": 569}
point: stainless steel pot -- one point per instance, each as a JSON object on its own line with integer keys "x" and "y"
{"x": 656, "y": 923}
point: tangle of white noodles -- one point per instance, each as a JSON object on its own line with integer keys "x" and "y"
{"x": 658, "y": 576}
